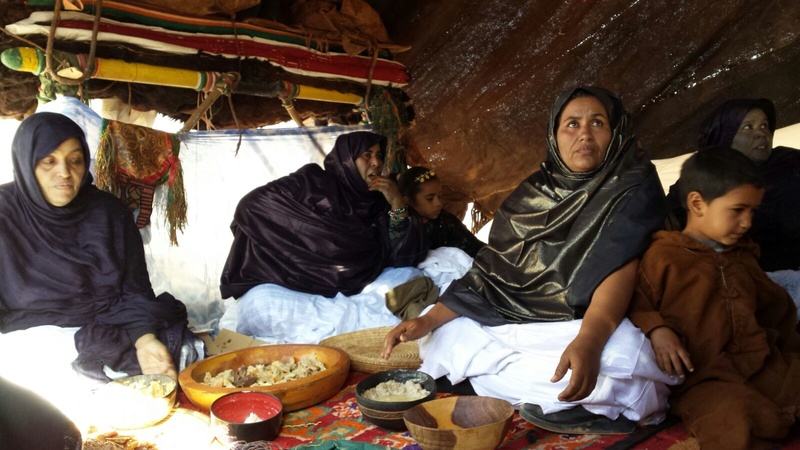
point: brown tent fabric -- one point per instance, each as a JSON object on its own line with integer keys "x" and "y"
{"x": 484, "y": 74}
{"x": 354, "y": 22}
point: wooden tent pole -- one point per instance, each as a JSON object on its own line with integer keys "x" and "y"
{"x": 224, "y": 85}
{"x": 289, "y": 105}
{"x": 26, "y": 59}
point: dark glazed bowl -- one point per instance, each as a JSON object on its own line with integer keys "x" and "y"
{"x": 230, "y": 412}
{"x": 390, "y": 414}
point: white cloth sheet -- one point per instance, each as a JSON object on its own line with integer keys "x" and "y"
{"x": 516, "y": 362}
{"x": 278, "y": 315}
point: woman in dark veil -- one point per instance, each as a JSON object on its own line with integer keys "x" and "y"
{"x": 549, "y": 293}
{"x": 748, "y": 125}
{"x": 72, "y": 265}
{"x": 314, "y": 235}
{"x": 320, "y": 231}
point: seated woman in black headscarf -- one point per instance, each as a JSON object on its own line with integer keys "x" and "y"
{"x": 748, "y": 125}
{"x": 71, "y": 259}
{"x": 548, "y": 294}
{"x": 321, "y": 232}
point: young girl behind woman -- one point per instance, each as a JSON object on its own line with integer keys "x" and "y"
{"x": 421, "y": 191}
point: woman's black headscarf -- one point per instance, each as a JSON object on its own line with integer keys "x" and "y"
{"x": 561, "y": 233}
{"x": 78, "y": 265}
{"x": 316, "y": 231}
{"x": 721, "y": 126}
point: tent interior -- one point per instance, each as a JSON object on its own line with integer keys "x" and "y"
{"x": 478, "y": 77}
{"x": 463, "y": 87}
{"x": 469, "y": 87}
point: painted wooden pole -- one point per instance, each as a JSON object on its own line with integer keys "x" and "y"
{"x": 27, "y": 59}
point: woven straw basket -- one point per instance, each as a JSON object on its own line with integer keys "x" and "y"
{"x": 364, "y": 348}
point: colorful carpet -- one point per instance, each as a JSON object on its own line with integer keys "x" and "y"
{"x": 338, "y": 418}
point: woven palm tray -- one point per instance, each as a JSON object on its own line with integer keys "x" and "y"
{"x": 364, "y": 348}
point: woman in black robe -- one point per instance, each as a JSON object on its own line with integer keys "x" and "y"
{"x": 71, "y": 256}
{"x": 747, "y": 125}
{"x": 321, "y": 231}
{"x": 563, "y": 246}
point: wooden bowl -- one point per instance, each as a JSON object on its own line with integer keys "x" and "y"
{"x": 463, "y": 423}
{"x": 389, "y": 414}
{"x": 294, "y": 395}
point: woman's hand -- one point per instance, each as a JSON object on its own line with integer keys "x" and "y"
{"x": 671, "y": 355}
{"x": 153, "y": 356}
{"x": 388, "y": 187}
{"x": 582, "y": 356}
{"x": 411, "y": 330}
{"x": 606, "y": 310}
{"x": 407, "y": 330}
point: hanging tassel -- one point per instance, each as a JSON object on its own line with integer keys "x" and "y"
{"x": 176, "y": 202}
{"x": 105, "y": 165}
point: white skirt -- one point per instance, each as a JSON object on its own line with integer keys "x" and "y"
{"x": 516, "y": 362}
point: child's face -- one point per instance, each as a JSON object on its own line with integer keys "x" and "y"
{"x": 725, "y": 219}
{"x": 428, "y": 201}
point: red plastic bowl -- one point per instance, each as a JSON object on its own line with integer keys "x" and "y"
{"x": 229, "y": 413}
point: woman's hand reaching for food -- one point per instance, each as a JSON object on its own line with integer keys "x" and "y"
{"x": 411, "y": 330}
{"x": 153, "y": 356}
{"x": 408, "y": 330}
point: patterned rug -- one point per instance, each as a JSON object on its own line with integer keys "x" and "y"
{"x": 338, "y": 418}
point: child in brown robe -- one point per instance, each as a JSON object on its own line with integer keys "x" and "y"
{"x": 713, "y": 316}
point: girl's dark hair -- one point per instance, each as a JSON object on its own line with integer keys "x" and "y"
{"x": 409, "y": 181}
{"x": 715, "y": 171}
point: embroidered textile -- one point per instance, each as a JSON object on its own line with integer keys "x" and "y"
{"x": 132, "y": 160}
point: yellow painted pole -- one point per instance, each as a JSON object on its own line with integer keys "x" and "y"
{"x": 110, "y": 69}
{"x": 26, "y": 59}
{"x": 311, "y": 93}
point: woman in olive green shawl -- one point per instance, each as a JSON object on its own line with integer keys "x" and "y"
{"x": 563, "y": 249}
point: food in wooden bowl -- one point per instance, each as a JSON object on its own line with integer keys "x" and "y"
{"x": 294, "y": 394}
{"x": 246, "y": 416}
{"x": 462, "y": 423}
{"x": 383, "y": 397}
{"x": 135, "y": 402}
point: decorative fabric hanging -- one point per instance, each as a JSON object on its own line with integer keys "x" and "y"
{"x": 391, "y": 116}
{"x": 132, "y": 160}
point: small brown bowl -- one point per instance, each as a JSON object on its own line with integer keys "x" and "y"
{"x": 462, "y": 423}
{"x": 389, "y": 414}
{"x": 246, "y": 416}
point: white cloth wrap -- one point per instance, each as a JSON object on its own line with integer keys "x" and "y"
{"x": 516, "y": 362}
